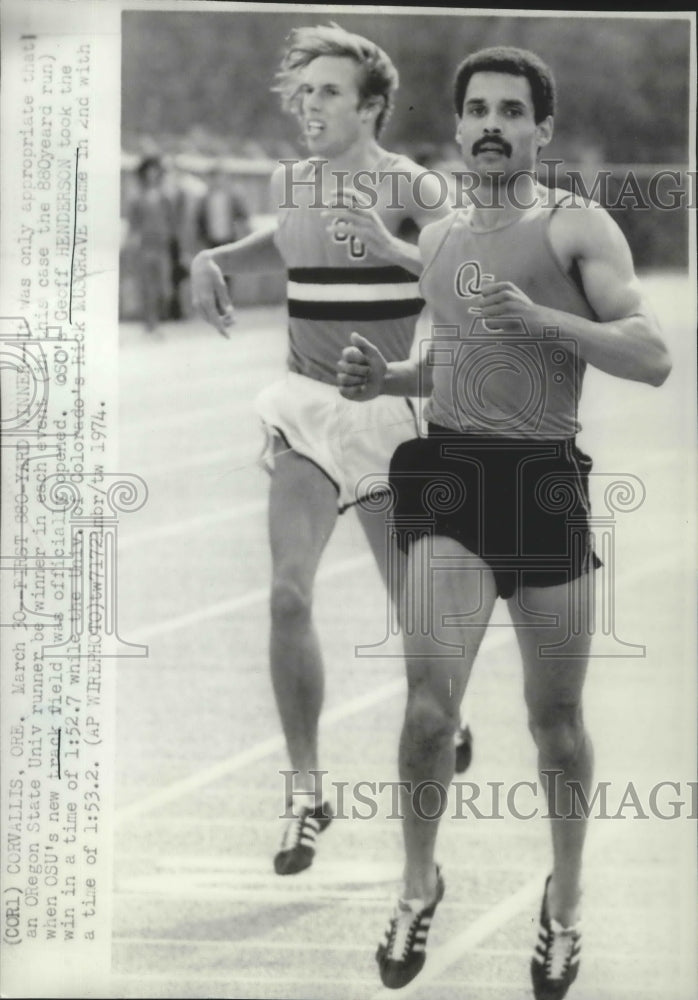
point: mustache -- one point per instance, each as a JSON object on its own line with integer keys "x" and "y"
{"x": 492, "y": 140}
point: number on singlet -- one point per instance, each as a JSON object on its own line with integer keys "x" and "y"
{"x": 469, "y": 278}
{"x": 355, "y": 248}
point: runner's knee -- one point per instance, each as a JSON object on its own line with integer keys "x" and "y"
{"x": 558, "y": 731}
{"x": 428, "y": 723}
{"x": 290, "y": 602}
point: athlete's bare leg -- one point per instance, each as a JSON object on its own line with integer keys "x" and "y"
{"x": 392, "y": 563}
{"x": 436, "y": 684}
{"x": 302, "y": 515}
{"x": 553, "y": 690}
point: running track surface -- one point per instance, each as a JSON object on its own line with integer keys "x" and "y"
{"x": 198, "y": 911}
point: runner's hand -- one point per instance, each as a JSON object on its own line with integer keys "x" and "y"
{"x": 504, "y": 307}
{"x": 361, "y": 370}
{"x": 349, "y": 218}
{"x": 209, "y": 293}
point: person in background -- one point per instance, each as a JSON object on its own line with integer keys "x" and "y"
{"x": 151, "y": 229}
{"x": 222, "y": 215}
{"x": 185, "y": 191}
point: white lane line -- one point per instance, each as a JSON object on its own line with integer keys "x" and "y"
{"x": 175, "y": 528}
{"x": 238, "y": 761}
{"x": 249, "y": 870}
{"x": 261, "y": 594}
{"x": 241, "y": 458}
{"x": 230, "y": 979}
{"x": 212, "y": 863}
{"x": 205, "y": 776}
{"x": 254, "y": 753}
{"x": 256, "y": 944}
{"x": 264, "y": 825}
{"x": 244, "y": 459}
{"x": 260, "y": 750}
{"x": 273, "y": 986}
{"x": 262, "y": 944}
{"x": 229, "y": 459}
{"x": 232, "y": 380}
{"x": 226, "y": 410}
{"x": 159, "y": 888}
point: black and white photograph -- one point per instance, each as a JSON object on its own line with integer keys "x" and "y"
{"x": 303, "y": 698}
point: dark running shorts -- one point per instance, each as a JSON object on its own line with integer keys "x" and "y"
{"x": 521, "y": 505}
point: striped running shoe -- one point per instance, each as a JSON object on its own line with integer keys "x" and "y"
{"x": 402, "y": 952}
{"x": 298, "y": 846}
{"x": 464, "y": 749}
{"x": 555, "y": 961}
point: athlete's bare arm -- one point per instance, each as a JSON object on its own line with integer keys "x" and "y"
{"x": 363, "y": 373}
{"x": 625, "y": 339}
{"x": 254, "y": 254}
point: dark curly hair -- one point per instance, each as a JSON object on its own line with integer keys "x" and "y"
{"x": 516, "y": 62}
{"x": 146, "y": 164}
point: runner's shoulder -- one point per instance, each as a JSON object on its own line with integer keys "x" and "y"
{"x": 581, "y": 225}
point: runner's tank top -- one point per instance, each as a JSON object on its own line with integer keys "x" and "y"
{"x": 335, "y": 284}
{"x": 515, "y": 382}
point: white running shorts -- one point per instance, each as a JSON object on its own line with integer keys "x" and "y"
{"x": 352, "y": 443}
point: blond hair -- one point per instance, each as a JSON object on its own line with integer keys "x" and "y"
{"x": 378, "y": 77}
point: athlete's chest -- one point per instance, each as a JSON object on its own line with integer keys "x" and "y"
{"x": 310, "y": 234}
{"x": 468, "y": 259}
{"x": 308, "y": 237}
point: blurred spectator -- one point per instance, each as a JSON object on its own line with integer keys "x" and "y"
{"x": 223, "y": 216}
{"x": 185, "y": 193}
{"x": 151, "y": 230}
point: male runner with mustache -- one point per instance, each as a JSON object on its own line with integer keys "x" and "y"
{"x": 526, "y": 287}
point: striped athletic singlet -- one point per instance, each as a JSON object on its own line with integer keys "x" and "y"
{"x": 514, "y": 382}
{"x": 336, "y": 285}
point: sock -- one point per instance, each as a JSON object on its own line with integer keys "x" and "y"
{"x": 303, "y": 800}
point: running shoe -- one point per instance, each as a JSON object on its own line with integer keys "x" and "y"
{"x": 555, "y": 961}
{"x": 402, "y": 952}
{"x": 298, "y": 845}
{"x": 464, "y": 748}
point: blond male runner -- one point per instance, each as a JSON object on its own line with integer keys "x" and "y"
{"x": 347, "y": 270}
